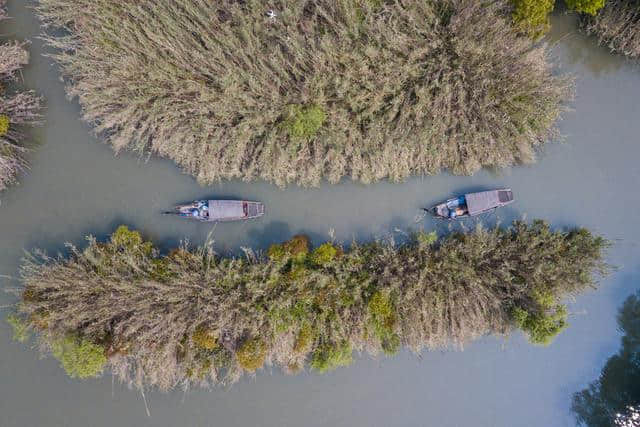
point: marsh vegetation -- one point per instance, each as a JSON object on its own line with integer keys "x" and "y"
{"x": 193, "y": 317}
{"x": 617, "y": 26}
{"x": 18, "y": 108}
{"x": 302, "y": 91}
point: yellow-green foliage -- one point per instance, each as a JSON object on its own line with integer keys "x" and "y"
{"x": 204, "y": 338}
{"x": 304, "y": 121}
{"x": 541, "y": 327}
{"x": 383, "y": 317}
{"x": 331, "y": 356}
{"x": 324, "y": 254}
{"x": 251, "y": 354}
{"x": 126, "y": 239}
{"x": 80, "y": 358}
{"x": 304, "y": 339}
{"x": 20, "y": 328}
{"x": 4, "y": 124}
{"x": 545, "y": 320}
{"x": 426, "y": 239}
{"x": 532, "y": 16}
{"x": 297, "y": 247}
{"x": 590, "y": 7}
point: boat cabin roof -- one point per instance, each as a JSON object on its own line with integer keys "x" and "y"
{"x": 225, "y": 209}
{"x": 486, "y": 200}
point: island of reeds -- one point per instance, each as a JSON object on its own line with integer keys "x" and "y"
{"x": 302, "y": 91}
{"x": 617, "y": 26}
{"x": 192, "y": 317}
{"x": 18, "y": 108}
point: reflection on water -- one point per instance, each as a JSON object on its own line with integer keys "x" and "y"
{"x": 619, "y": 384}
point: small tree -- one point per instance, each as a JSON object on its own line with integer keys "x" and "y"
{"x": 80, "y": 358}
{"x": 251, "y": 354}
{"x": 532, "y": 16}
{"x": 328, "y": 357}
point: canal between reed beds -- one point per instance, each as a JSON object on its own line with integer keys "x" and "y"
{"x": 76, "y": 187}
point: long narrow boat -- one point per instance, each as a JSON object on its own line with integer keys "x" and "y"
{"x": 219, "y": 210}
{"x": 472, "y": 204}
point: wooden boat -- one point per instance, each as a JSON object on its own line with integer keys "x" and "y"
{"x": 472, "y": 204}
{"x": 219, "y": 210}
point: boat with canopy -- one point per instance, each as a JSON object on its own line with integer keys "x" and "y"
{"x": 472, "y": 204}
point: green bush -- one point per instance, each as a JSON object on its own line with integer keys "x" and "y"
{"x": 384, "y": 319}
{"x": 251, "y": 354}
{"x": 4, "y": 124}
{"x": 304, "y": 121}
{"x": 80, "y": 358}
{"x": 324, "y": 254}
{"x": 204, "y": 339}
{"x": 20, "y": 328}
{"x": 590, "y": 7}
{"x": 532, "y": 16}
{"x": 328, "y": 357}
{"x": 541, "y": 327}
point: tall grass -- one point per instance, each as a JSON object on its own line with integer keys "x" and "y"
{"x": 617, "y": 26}
{"x": 192, "y": 317}
{"x": 389, "y": 88}
{"x": 18, "y": 108}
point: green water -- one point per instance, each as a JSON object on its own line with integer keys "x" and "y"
{"x": 76, "y": 186}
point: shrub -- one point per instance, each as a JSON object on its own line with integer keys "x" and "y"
{"x": 324, "y": 254}
{"x": 541, "y": 328}
{"x": 376, "y": 296}
{"x": 20, "y": 328}
{"x": 590, "y": 7}
{"x": 304, "y": 339}
{"x": 4, "y": 124}
{"x": 327, "y": 89}
{"x": 80, "y": 358}
{"x": 328, "y": 357}
{"x": 304, "y": 122}
{"x": 532, "y": 16}
{"x": 203, "y": 338}
{"x": 251, "y": 354}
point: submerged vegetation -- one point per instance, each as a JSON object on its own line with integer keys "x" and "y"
{"x": 304, "y": 90}
{"x": 17, "y": 108}
{"x": 617, "y": 26}
{"x": 193, "y": 317}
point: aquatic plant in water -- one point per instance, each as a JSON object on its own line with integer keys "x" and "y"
{"x": 193, "y": 317}
{"x": 304, "y": 90}
{"x": 17, "y": 109}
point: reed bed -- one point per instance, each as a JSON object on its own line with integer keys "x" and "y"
{"x": 194, "y": 318}
{"x": 18, "y": 108}
{"x": 302, "y": 91}
{"x": 617, "y": 26}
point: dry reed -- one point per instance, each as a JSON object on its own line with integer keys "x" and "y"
{"x": 397, "y": 87}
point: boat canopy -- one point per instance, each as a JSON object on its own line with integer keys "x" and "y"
{"x": 225, "y": 209}
{"x": 486, "y": 200}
